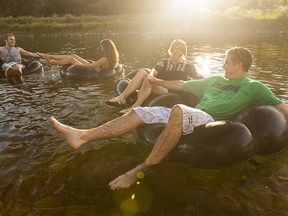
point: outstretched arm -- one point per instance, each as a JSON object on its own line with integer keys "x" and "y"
{"x": 27, "y": 53}
{"x": 170, "y": 85}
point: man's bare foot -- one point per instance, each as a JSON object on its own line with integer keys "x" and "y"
{"x": 14, "y": 76}
{"x": 18, "y": 75}
{"x": 72, "y": 135}
{"x": 127, "y": 179}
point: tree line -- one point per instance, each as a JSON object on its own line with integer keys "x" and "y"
{"x": 46, "y": 8}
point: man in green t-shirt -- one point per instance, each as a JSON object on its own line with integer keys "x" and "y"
{"x": 220, "y": 98}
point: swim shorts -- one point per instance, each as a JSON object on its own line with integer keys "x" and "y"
{"x": 11, "y": 65}
{"x": 191, "y": 117}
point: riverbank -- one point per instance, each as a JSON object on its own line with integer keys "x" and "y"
{"x": 233, "y": 22}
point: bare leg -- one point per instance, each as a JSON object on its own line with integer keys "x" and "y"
{"x": 143, "y": 94}
{"x": 145, "y": 91}
{"x": 65, "y": 61}
{"x": 12, "y": 76}
{"x": 71, "y": 59}
{"x": 166, "y": 141}
{"x": 18, "y": 73}
{"x": 62, "y": 59}
{"x": 135, "y": 84}
{"x": 80, "y": 59}
{"x": 117, "y": 127}
{"x": 51, "y": 56}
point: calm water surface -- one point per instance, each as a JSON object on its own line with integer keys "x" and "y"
{"x": 40, "y": 175}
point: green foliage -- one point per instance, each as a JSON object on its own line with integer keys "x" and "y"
{"x": 246, "y": 21}
{"x": 53, "y": 16}
{"x": 47, "y": 8}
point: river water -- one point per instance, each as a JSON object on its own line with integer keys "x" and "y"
{"x": 41, "y": 175}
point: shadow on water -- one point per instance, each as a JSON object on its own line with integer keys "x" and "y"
{"x": 40, "y": 175}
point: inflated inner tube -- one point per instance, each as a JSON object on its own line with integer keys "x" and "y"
{"x": 31, "y": 66}
{"x": 82, "y": 73}
{"x": 268, "y": 126}
{"x": 258, "y": 130}
{"x": 121, "y": 86}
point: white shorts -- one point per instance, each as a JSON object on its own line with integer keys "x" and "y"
{"x": 191, "y": 117}
{"x": 12, "y": 65}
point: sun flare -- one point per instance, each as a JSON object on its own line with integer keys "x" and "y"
{"x": 190, "y": 4}
{"x": 184, "y": 8}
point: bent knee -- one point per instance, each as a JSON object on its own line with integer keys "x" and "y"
{"x": 143, "y": 73}
{"x": 146, "y": 80}
{"x": 177, "y": 108}
{"x": 176, "y": 111}
{"x": 132, "y": 115}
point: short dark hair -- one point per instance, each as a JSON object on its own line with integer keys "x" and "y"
{"x": 241, "y": 54}
{"x": 8, "y": 35}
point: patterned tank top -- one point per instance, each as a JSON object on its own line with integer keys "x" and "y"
{"x": 10, "y": 55}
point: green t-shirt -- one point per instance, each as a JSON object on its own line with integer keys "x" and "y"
{"x": 223, "y": 98}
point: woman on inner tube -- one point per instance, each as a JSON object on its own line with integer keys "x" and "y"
{"x": 110, "y": 59}
{"x": 173, "y": 68}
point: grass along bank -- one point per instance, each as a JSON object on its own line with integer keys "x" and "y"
{"x": 230, "y": 21}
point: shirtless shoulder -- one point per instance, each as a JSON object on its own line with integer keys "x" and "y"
{"x": 19, "y": 49}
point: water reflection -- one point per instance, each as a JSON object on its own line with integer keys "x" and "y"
{"x": 40, "y": 175}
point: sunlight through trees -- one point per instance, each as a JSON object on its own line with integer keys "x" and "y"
{"x": 43, "y": 8}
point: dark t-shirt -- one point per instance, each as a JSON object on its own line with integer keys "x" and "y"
{"x": 182, "y": 71}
